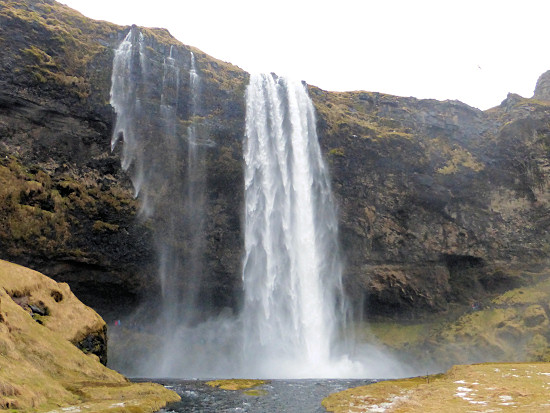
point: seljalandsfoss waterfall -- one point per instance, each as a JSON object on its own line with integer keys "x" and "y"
{"x": 292, "y": 320}
{"x": 292, "y": 272}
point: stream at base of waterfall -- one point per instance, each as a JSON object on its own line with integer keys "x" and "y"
{"x": 276, "y": 396}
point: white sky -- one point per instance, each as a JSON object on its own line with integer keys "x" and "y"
{"x": 475, "y": 51}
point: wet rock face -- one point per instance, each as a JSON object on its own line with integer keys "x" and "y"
{"x": 67, "y": 207}
{"x": 434, "y": 194}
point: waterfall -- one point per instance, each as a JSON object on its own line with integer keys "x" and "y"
{"x": 124, "y": 99}
{"x": 194, "y": 206}
{"x": 292, "y": 270}
{"x": 156, "y": 97}
{"x": 293, "y": 308}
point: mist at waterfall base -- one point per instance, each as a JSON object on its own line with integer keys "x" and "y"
{"x": 294, "y": 319}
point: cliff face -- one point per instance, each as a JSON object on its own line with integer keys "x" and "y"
{"x": 67, "y": 208}
{"x": 542, "y": 90}
{"x": 439, "y": 202}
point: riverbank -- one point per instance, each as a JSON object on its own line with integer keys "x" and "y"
{"x": 521, "y": 387}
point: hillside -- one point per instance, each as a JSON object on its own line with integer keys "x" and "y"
{"x": 41, "y": 367}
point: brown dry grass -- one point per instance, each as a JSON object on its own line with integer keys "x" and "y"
{"x": 235, "y": 384}
{"x": 68, "y": 317}
{"x": 519, "y": 387}
{"x": 40, "y": 370}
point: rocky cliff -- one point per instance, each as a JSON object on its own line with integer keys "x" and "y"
{"x": 67, "y": 208}
{"x": 439, "y": 202}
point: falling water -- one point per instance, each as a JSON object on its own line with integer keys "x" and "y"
{"x": 292, "y": 270}
{"x": 294, "y": 306}
{"x": 124, "y": 99}
{"x": 195, "y": 201}
{"x": 168, "y": 261}
{"x": 158, "y": 126}
{"x": 194, "y": 82}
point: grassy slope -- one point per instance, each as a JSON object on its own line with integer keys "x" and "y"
{"x": 512, "y": 326}
{"x": 40, "y": 370}
{"x": 235, "y": 384}
{"x": 520, "y": 387}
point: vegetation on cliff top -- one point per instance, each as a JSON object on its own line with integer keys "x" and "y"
{"x": 41, "y": 370}
{"x": 57, "y": 45}
{"x": 386, "y": 120}
{"x": 61, "y": 48}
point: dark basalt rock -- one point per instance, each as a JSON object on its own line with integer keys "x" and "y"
{"x": 433, "y": 196}
{"x": 95, "y": 343}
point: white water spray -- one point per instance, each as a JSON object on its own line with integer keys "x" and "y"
{"x": 124, "y": 98}
{"x": 292, "y": 270}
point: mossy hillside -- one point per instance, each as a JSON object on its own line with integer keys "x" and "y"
{"x": 40, "y": 370}
{"x": 64, "y": 313}
{"x": 236, "y": 384}
{"x": 47, "y": 212}
{"x": 483, "y": 387}
{"x": 511, "y": 326}
{"x": 59, "y": 49}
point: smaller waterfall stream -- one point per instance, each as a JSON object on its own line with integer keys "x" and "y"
{"x": 124, "y": 99}
{"x": 194, "y": 206}
{"x": 157, "y": 131}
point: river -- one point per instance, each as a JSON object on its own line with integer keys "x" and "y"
{"x": 276, "y": 396}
